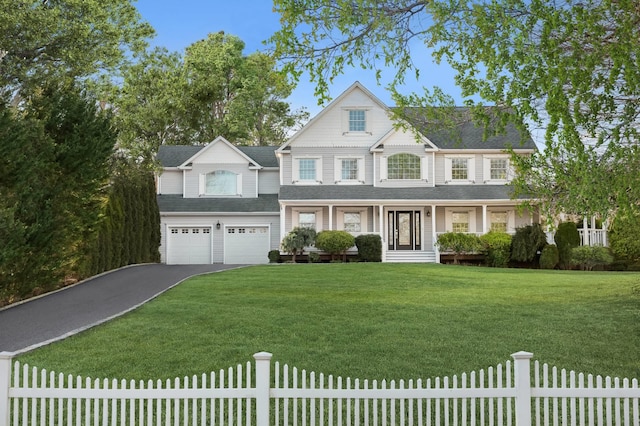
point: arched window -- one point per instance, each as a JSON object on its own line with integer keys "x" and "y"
{"x": 221, "y": 182}
{"x": 403, "y": 166}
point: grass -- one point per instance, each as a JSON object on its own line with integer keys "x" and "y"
{"x": 370, "y": 321}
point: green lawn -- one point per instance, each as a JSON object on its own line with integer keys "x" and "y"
{"x": 368, "y": 320}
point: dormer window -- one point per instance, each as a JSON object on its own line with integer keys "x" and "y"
{"x": 357, "y": 120}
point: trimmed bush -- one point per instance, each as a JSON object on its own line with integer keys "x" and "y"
{"x": 587, "y": 258}
{"x": 459, "y": 243}
{"x": 313, "y": 257}
{"x": 527, "y": 242}
{"x": 567, "y": 237}
{"x": 498, "y": 248}
{"x": 623, "y": 237}
{"x": 274, "y": 256}
{"x": 369, "y": 247}
{"x": 549, "y": 258}
{"x": 334, "y": 242}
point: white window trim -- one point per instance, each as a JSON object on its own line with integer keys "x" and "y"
{"x": 448, "y": 218}
{"x": 202, "y": 185}
{"x": 363, "y": 219}
{"x": 295, "y": 161}
{"x": 384, "y": 168}
{"x": 486, "y": 169}
{"x": 511, "y": 218}
{"x": 295, "y": 221}
{"x": 367, "y": 120}
{"x": 337, "y": 167}
{"x": 471, "y": 170}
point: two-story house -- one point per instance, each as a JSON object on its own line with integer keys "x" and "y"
{"x": 349, "y": 168}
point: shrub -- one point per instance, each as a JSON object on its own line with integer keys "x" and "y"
{"x": 334, "y": 242}
{"x": 274, "y": 256}
{"x": 459, "y": 243}
{"x": 623, "y": 237}
{"x": 296, "y": 240}
{"x": 313, "y": 257}
{"x": 527, "y": 242}
{"x": 567, "y": 237}
{"x": 587, "y": 257}
{"x": 369, "y": 247}
{"x": 549, "y": 257}
{"x": 498, "y": 248}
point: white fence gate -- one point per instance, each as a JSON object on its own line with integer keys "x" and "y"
{"x": 504, "y": 395}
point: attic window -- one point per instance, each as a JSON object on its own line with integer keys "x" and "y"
{"x": 357, "y": 120}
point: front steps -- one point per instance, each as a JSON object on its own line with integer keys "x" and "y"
{"x": 409, "y": 256}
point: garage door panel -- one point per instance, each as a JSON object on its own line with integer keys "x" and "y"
{"x": 246, "y": 245}
{"x": 189, "y": 246}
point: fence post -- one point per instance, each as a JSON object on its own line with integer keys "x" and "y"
{"x": 5, "y": 382}
{"x": 522, "y": 371}
{"x": 263, "y": 386}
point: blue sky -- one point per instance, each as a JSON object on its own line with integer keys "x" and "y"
{"x": 180, "y": 23}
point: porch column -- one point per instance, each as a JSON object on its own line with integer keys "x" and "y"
{"x": 283, "y": 209}
{"x": 605, "y": 230}
{"x": 484, "y": 218}
{"x": 380, "y": 229}
{"x": 434, "y": 233}
{"x": 585, "y": 232}
{"x": 330, "y": 217}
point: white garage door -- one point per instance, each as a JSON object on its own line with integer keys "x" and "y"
{"x": 246, "y": 244}
{"x": 189, "y": 246}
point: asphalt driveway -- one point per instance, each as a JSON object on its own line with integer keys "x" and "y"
{"x": 57, "y": 315}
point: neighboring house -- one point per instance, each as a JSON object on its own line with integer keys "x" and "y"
{"x": 351, "y": 169}
{"x": 218, "y": 203}
{"x": 348, "y": 169}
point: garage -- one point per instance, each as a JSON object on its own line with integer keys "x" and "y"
{"x": 246, "y": 244}
{"x": 189, "y": 245}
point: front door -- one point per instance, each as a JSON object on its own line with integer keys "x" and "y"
{"x": 404, "y": 230}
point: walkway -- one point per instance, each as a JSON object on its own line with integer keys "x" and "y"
{"x": 57, "y": 315}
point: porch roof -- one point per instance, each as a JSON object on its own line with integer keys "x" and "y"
{"x": 267, "y": 203}
{"x": 370, "y": 192}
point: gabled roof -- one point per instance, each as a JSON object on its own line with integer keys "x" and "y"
{"x": 463, "y": 133}
{"x": 177, "y": 155}
{"x": 354, "y": 86}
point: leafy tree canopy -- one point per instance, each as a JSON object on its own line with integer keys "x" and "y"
{"x": 570, "y": 67}
{"x": 43, "y": 40}
{"x": 212, "y": 90}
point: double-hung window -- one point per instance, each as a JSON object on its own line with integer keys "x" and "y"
{"x": 459, "y": 169}
{"x": 349, "y": 168}
{"x": 498, "y": 221}
{"x": 497, "y": 169}
{"x": 307, "y": 220}
{"x": 352, "y": 222}
{"x": 307, "y": 170}
{"x": 460, "y": 221}
{"x": 357, "y": 120}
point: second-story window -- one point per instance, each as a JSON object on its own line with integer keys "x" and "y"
{"x": 499, "y": 168}
{"x": 357, "y": 120}
{"x": 221, "y": 182}
{"x": 459, "y": 169}
{"x": 307, "y": 168}
{"x": 403, "y": 166}
{"x": 349, "y": 169}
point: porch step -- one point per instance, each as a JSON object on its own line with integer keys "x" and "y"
{"x": 408, "y": 256}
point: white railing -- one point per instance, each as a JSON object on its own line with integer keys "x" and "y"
{"x": 279, "y": 395}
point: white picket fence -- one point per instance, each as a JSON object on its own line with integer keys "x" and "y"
{"x": 279, "y": 395}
